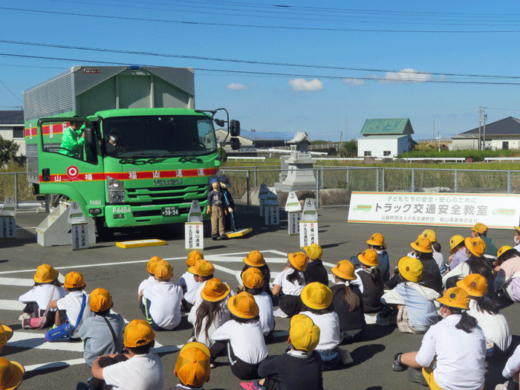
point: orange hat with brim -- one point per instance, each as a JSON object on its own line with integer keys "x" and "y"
{"x": 345, "y": 270}
{"x": 475, "y": 245}
{"x": 202, "y": 268}
{"x": 254, "y": 259}
{"x": 422, "y": 244}
{"x": 193, "y": 364}
{"x": 11, "y": 374}
{"x": 5, "y": 334}
{"x": 100, "y": 300}
{"x": 298, "y": 260}
{"x": 253, "y": 278}
{"x": 455, "y": 241}
{"x": 479, "y": 228}
{"x": 193, "y": 256}
{"x": 369, "y": 258}
{"x": 138, "y": 333}
{"x": 45, "y": 274}
{"x": 410, "y": 269}
{"x": 376, "y": 239}
{"x": 214, "y": 290}
{"x": 429, "y": 234}
{"x": 243, "y": 305}
{"x": 150, "y": 266}
{"x": 305, "y": 335}
{"x": 475, "y": 284}
{"x": 74, "y": 280}
{"x": 317, "y": 296}
{"x": 503, "y": 250}
{"x": 455, "y": 297}
{"x": 314, "y": 251}
{"x": 163, "y": 270}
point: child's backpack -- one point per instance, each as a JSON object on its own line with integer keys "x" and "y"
{"x": 66, "y": 330}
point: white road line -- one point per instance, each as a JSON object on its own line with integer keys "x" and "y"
{"x": 11, "y": 305}
{"x": 24, "y": 228}
{"x": 31, "y": 340}
{"x": 16, "y": 282}
{"x": 64, "y": 363}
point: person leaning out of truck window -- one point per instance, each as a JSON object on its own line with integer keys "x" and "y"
{"x": 113, "y": 146}
{"x": 73, "y": 139}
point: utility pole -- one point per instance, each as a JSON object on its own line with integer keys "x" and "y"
{"x": 340, "y": 136}
{"x": 484, "y": 137}
{"x": 439, "y": 138}
{"x": 479, "y": 125}
{"x": 433, "y": 128}
{"x": 346, "y": 130}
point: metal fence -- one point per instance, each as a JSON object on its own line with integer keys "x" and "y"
{"x": 15, "y": 184}
{"x": 335, "y": 184}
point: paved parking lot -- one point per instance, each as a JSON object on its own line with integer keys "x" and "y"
{"x": 61, "y": 366}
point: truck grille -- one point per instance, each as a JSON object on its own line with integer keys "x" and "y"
{"x": 166, "y": 195}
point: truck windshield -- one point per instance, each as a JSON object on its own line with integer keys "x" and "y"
{"x": 153, "y": 136}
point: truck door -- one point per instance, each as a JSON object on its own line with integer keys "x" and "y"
{"x": 70, "y": 167}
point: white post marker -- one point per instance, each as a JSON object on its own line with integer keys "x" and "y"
{"x": 8, "y": 219}
{"x": 293, "y": 209}
{"x": 272, "y": 210}
{"x": 309, "y": 224}
{"x": 79, "y": 227}
{"x": 261, "y": 196}
{"x": 194, "y": 228}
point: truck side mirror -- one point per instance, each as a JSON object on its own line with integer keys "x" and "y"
{"x": 89, "y": 136}
{"x": 235, "y": 143}
{"x": 234, "y": 128}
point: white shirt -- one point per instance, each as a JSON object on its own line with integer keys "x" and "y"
{"x": 289, "y": 288}
{"x": 220, "y": 319}
{"x": 329, "y": 329}
{"x": 265, "y": 307}
{"x": 460, "y": 355}
{"x": 494, "y": 326}
{"x": 145, "y": 283}
{"x": 513, "y": 364}
{"x": 191, "y": 287}
{"x": 140, "y": 372}
{"x": 358, "y": 282}
{"x": 439, "y": 259}
{"x": 42, "y": 295}
{"x": 71, "y": 303}
{"x": 246, "y": 340}
{"x": 165, "y": 299}
{"x": 462, "y": 270}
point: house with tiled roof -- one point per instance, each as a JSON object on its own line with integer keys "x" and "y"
{"x": 11, "y": 128}
{"x": 502, "y": 134}
{"x": 388, "y": 137}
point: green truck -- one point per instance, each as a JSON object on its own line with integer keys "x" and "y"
{"x": 125, "y": 142}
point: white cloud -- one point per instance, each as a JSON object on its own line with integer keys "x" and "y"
{"x": 304, "y": 85}
{"x": 237, "y": 87}
{"x": 353, "y": 81}
{"x": 406, "y": 75}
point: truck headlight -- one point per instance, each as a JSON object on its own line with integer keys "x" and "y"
{"x": 116, "y": 190}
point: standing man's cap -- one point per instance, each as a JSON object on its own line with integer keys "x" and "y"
{"x": 298, "y": 260}
{"x": 138, "y": 333}
{"x": 475, "y": 285}
{"x": 376, "y": 239}
{"x": 305, "y": 335}
{"x": 45, "y": 274}
{"x": 74, "y": 280}
{"x": 255, "y": 259}
{"x": 193, "y": 364}
{"x": 252, "y": 278}
{"x": 345, "y": 270}
{"x": 202, "y": 268}
{"x": 150, "y": 266}
{"x": 214, "y": 290}
{"x": 163, "y": 270}
{"x": 193, "y": 256}
{"x": 369, "y": 258}
{"x": 225, "y": 180}
{"x": 316, "y": 296}
{"x": 314, "y": 251}
{"x": 475, "y": 245}
{"x": 213, "y": 180}
{"x": 455, "y": 297}
{"x": 100, "y": 300}
{"x": 455, "y": 241}
{"x": 422, "y": 244}
{"x": 243, "y": 305}
{"x": 11, "y": 374}
{"x": 480, "y": 228}
{"x": 5, "y": 334}
{"x": 411, "y": 269}
{"x": 429, "y": 234}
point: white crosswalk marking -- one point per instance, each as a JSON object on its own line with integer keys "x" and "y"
{"x": 6, "y": 304}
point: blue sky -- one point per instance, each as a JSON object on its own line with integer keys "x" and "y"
{"x": 321, "y": 106}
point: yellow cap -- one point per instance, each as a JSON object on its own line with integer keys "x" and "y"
{"x": 475, "y": 284}
{"x": 74, "y": 280}
{"x": 369, "y": 258}
{"x": 345, "y": 270}
{"x": 193, "y": 256}
{"x": 202, "y": 268}
{"x": 45, "y": 274}
{"x": 163, "y": 270}
{"x": 252, "y": 278}
{"x": 5, "y": 334}
{"x": 138, "y": 333}
{"x": 475, "y": 245}
{"x": 455, "y": 241}
{"x": 243, "y": 305}
{"x": 410, "y": 268}
{"x": 422, "y": 245}
{"x": 100, "y": 300}
{"x": 455, "y": 297}
{"x": 429, "y": 234}
{"x": 376, "y": 239}
{"x": 503, "y": 250}
{"x": 480, "y": 228}
{"x": 316, "y": 296}
{"x": 214, "y": 290}
{"x": 314, "y": 251}
{"x": 193, "y": 364}
{"x": 11, "y": 374}
{"x": 305, "y": 335}
{"x": 517, "y": 228}
{"x": 298, "y": 260}
{"x": 150, "y": 266}
{"x": 254, "y": 259}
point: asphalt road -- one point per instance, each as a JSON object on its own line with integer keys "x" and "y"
{"x": 121, "y": 270}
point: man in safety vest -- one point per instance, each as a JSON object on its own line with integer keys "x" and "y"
{"x": 73, "y": 139}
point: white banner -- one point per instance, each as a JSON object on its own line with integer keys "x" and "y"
{"x": 79, "y": 236}
{"x": 498, "y": 211}
{"x": 194, "y": 235}
{"x": 292, "y": 204}
{"x": 76, "y": 214}
{"x": 9, "y": 208}
{"x": 272, "y": 215}
{"x": 7, "y": 227}
{"x": 308, "y": 233}
{"x": 293, "y": 223}
{"x": 309, "y": 211}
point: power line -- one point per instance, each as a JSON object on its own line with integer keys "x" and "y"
{"x": 270, "y": 73}
{"x": 144, "y": 53}
{"x": 12, "y": 93}
{"x": 61, "y": 13}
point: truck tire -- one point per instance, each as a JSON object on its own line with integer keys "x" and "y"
{"x": 104, "y": 233}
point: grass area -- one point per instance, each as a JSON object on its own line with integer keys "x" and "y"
{"x": 7, "y": 183}
{"x": 476, "y": 155}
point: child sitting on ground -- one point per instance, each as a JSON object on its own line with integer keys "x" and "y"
{"x": 102, "y": 334}
{"x": 370, "y": 281}
{"x": 507, "y": 273}
{"x": 69, "y": 307}
{"x": 187, "y": 281}
{"x": 298, "y": 368}
{"x": 347, "y": 302}
{"x": 414, "y": 301}
{"x": 437, "y": 254}
{"x": 256, "y": 259}
{"x": 246, "y": 348}
{"x": 289, "y": 284}
{"x": 315, "y": 271}
{"x": 46, "y": 289}
{"x": 202, "y": 272}
{"x": 457, "y": 251}
{"x": 150, "y": 269}
{"x": 481, "y": 230}
{"x": 377, "y": 243}
{"x": 253, "y": 281}
{"x": 161, "y": 303}
{"x": 192, "y": 367}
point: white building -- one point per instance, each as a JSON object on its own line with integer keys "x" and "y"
{"x": 502, "y": 134}
{"x": 385, "y": 138}
{"x": 12, "y": 128}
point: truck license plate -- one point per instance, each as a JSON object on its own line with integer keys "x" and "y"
{"x": 170, "y": 211}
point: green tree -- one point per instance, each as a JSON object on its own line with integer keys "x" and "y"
{"x": 350, "y": 148}
{"x": 8, "y": 150}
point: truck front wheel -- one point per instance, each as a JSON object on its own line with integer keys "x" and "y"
{"x": 104, "y": 233}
